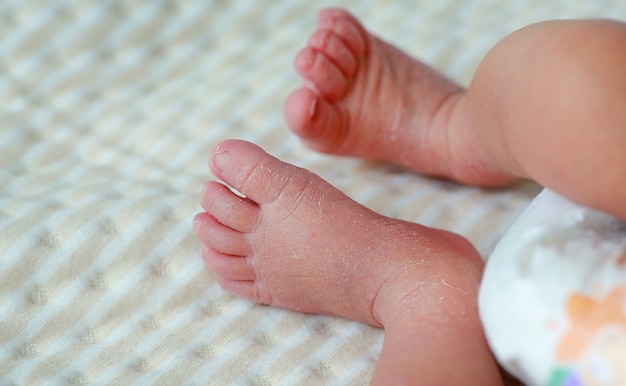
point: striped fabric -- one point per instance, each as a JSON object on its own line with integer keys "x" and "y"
{"x": 108, "y": 112}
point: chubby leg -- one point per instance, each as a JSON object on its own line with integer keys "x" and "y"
{"x": 549, "y": 103}
{"x": 298, "y": 243}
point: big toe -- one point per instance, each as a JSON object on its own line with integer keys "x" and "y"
{"x": 259, "y": 176}
{"x": 317, "y": 122}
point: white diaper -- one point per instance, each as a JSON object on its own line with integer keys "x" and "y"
{"x": 553, "y": 297}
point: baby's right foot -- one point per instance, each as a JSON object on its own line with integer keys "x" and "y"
{"x": 363, "y": 97}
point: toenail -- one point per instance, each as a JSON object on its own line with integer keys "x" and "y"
{"x": 313, "y": 108}
{"x": 203, "y": 192}
{"x": 197, "y": 224}
{"x": 220, "y": 159}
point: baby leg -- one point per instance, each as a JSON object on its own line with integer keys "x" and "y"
{"x": 298, "y": 243}
{"x": 547, "y": 103}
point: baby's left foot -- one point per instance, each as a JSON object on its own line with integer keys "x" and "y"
{"x": 296, "y": 242}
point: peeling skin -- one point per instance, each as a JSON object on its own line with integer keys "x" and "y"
{"x": 444, "y": 282}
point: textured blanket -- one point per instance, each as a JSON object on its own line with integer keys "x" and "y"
{"x": 108, "y": 110}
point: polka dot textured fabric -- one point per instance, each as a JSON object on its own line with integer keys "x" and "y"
{"x": 109, "y": 111}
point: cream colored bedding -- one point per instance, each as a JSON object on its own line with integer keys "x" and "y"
{"x": 108, "y": 110}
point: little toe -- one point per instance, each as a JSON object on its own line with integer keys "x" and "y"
{"x": 256, "y": 174}
{"x": 245, "y": 288}
{"x": 228, "y": 208}
{"x": 335, "y": 49}
{"x": 227, "y": 266}
{"x": 218, "y": 236}
{"x": 346, "y": 27}
{"x": 327, "y": 79}
{"x": 317, "y": 122}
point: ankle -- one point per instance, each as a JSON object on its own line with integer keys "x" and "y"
{"x": 442, "y": 285}
{"x": 471, "y": 159}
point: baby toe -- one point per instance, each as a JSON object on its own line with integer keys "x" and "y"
{"x": 226, "y": 266}
{"x": 218, "y": 236}
{"x": 327, "y": 79}
{"x": 259, "y": 176}
{"x": 228, "y": 208}
{"x": 317, "y": 122}
{"x": 335, "y": 49}
{"x": 346, "y": 27}
{"x": 245, "y": 288}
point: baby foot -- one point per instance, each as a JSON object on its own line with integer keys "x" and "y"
{"x": 296, "y": 242}
{"x": 363, "y": 97}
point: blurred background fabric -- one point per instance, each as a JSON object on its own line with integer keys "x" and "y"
{"x": 108, "y": 111}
